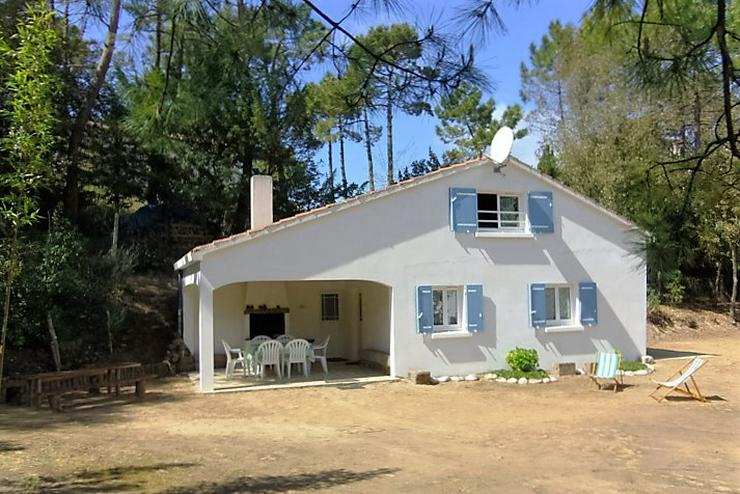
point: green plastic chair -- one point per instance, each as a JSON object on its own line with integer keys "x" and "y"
{"x": 607, "y": 369}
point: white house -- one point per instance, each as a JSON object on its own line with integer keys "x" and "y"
{"x": 447, "y": 272}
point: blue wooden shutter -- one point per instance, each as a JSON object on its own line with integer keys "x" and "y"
{"x": 587, "y": 296}
{"x": 537, "y": 305}
{"x": 463, "y": 210}
{"x": 474, "y": 301}
{"x": 424, "y": 316}
{"x": 540, "y": 212}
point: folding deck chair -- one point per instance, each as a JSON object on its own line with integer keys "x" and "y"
{"x": 682, "y": 377}
{"x": 607, "y": 368}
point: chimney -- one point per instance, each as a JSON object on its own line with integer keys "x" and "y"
{"x": 260, "y": 201}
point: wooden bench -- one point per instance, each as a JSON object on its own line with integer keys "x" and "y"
{"x": 51, "y": 386}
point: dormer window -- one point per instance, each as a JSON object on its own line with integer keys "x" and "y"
{"x": 500, "y": 212}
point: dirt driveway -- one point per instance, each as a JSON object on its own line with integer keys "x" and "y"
{"x": 390, "y": 437}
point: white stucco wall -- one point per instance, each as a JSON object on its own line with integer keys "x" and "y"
{"x": 403, "y": 240}
{"x": 374, "y": 330}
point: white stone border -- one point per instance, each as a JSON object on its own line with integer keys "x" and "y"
{"x": 493, "y": 377}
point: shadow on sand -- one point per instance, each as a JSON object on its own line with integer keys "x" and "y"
{"x": 80, "y": 409}
{"x": 284, "y": 483}
{"x": 6, "y": 446}
{"x": 118, "y": 479}
{"x": 688, "y": 398}
{"x": 665, "y": 354}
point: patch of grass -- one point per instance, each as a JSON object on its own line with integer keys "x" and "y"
{"x": 630, "y": 365}
{"x": 533, "y": 374}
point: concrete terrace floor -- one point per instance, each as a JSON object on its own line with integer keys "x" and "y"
{"x": 340, "y": 373}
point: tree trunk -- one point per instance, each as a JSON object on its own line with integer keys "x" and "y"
{"x": 109, "y": 324}
{"x": 733, "y": 294}
{"x": 369, "y": 150}
{"x": 54, "y": 342}
{"x": 65, "y": 43}
{"x": 561, "y": 107}
{"x": 71, "y": 187}
{"x": 718, "y": 283}
{"x": 114, "y": 240}
{"x": 342, "y": 168}
{"x": 697, "y": 121}
{"x": 158, "y": 37}
{"x": 389, "y": 130}
{"x": 10, "y": 278}
{"x": 331, "y": 173}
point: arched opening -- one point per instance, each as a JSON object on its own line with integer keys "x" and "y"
{"x": 353, "y": 315}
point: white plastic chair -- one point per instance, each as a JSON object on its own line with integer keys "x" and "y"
{"x": 232, "y": 361}
{"x": 284, "y": 339}
{"x": 270, "y": 353}
{"x": 260, "y": 339}
{"x": 296, "y": 352}
{"x": 319, "y": 353}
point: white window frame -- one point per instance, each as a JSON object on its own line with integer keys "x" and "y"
{"x": 558, "y": 322}
{"x": 326, "y": 317}
{"x": 522, "y": 226}
{"x": 461, "y": 304}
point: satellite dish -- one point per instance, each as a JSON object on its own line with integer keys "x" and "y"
{"x": 501, "y": 145}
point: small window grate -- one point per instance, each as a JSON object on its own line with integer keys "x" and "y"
{"x": 329, "y": 307}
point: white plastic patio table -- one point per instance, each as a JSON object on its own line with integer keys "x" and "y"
{"x": 250, "y": 351}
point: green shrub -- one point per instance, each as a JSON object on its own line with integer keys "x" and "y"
{"x": 523, "y": 359}
{"x": 653, "y": 299}
{"x": 630, "y": 365}
{"x": 674, "y": 288}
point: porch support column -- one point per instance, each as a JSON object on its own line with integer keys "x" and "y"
{"x": 205, "y": 343}
{"x": 392, "y": 346}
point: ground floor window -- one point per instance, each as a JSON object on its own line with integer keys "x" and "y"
{"x": 447, "y": 302}
{"x": 558, "y": 305}
{"x": 329, "y": 306}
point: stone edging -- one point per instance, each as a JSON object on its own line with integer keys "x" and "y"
{"x": 495, "y": 378}
{"x": 523, "y": 380}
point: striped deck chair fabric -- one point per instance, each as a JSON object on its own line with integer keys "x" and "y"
{"x": 607, "y": 368}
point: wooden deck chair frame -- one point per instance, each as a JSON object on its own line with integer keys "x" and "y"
{"x": 695, "y": 393}
{"x": 618, "y": 377}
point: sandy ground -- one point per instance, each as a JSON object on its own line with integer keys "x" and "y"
{"x": 391, "y": 437}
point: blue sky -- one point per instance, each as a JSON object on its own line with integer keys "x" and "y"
{"x": 500, "y": 57}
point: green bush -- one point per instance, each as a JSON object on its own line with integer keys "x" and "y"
{"x": 674, "y": 288}
{"x": 523, "y": 359}
{"x": 653, "y": 299}
{"x": 632, "y": 365}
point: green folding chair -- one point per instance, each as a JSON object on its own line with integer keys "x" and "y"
{"x": 607, "y": 369}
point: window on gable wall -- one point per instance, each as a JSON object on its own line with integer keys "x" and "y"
{"x": 499, "y": 212}
{"x": 329, "y": 307}
{"x": 558, "y": 305}
{"x": 447, "y": 302}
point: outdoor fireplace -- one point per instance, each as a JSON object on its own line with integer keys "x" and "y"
{"x": 266, "y": 321}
